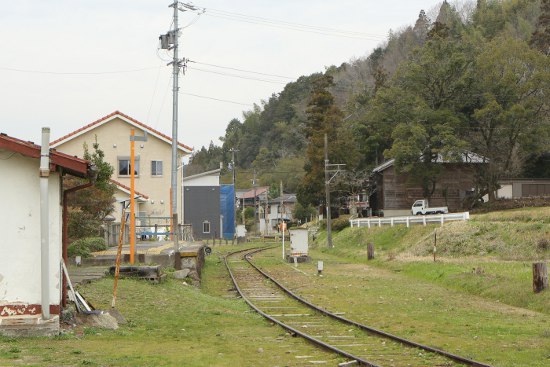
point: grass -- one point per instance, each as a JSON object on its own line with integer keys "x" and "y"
{"x": 169, "y": 324}
{"x": 476, "y": 301}
{"x": 420, "y": 309}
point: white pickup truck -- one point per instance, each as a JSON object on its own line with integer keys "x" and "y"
{"x": 421, "y": 207}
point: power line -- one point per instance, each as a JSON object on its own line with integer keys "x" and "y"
{"x": 243, "y": 70}
{"x": 75, "y": 73}
{"x": 218, "y": 99}
{"x": 238, "y": 76}
{"x": 290, "y": 25}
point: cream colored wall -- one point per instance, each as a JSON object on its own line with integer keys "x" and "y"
{"x": 114, "y": 139}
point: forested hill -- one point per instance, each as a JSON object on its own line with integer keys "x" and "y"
{"x": 471, "y": 77}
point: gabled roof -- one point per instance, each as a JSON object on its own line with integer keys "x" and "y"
{"x": 287, "y": 198}
{"x": 259, "y": 191}
{"x": 73, "y": 165}
{"x": 466, "y": 157}
{"x": 123, "y": 117}
{"x": 128, "y": 190}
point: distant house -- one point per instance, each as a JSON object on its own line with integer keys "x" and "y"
{"x": 153, "y": 160}
{"x": 516, "y": 188}
{"x": 276, "y": 213}
{"x": 247, "y": 198}
{"x": 208, "y": 206}
{"x": 30, "y": 275}
{"x": 394, "y": 193}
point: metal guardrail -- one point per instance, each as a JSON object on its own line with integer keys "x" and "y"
{"x": 417, "y": 219}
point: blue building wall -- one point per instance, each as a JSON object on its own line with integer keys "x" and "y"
{"x": 227, "y": 209}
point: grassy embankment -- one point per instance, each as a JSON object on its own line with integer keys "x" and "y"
{"x": 476, "y": 300}
{"x": 491, "y": 255}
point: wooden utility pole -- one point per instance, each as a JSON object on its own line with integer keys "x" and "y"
{"x": 329, "y": 169}
{"x": 327, "y": 197}
{"x": 256, "y": 211}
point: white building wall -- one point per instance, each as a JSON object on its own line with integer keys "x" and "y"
{"x": 20, "y": 252}
{"x": 206, "y": 180}
{"x": 505, "y": 191}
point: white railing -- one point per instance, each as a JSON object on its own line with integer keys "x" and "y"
{"x": 417, "y": 219}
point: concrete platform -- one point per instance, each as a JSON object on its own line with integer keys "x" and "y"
{"x": 190, "y": 256}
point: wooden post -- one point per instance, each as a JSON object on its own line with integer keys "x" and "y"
{"x": 370, "y": 251}
{"x": 435, "y": 243}
{"x": 540, "y": 277}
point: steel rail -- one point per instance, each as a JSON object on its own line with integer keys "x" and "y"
{"x": 370, "y": 329}
{"x": 288, "y": 327}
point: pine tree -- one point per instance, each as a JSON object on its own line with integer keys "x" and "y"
{"x": 422, "y": 25}
{"x": 323, "y": 117}
{"x": 540, "y": 39}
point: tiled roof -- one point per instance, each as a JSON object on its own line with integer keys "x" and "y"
{"x": 110, "y": 117}
{"x": 129, "y": 189}
{"x": 73, "y": 165}
{"x": 259, "y": 191}
{"x": 287, "y": 198}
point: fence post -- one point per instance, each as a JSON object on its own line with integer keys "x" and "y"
{"x": 370, "y": 251}
{"x": 540, "y": 276}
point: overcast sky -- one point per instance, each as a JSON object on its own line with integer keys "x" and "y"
{"x": 66, "y": 63}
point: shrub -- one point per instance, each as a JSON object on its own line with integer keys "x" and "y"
{"x": 85, "y": 246}
{"x": 543, "y": 244}
{"x": 340, "y": 223}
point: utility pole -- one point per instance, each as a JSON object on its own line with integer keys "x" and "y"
{"x": 233, "y": 169}
{"x": 282, "y": 224}
{"x": 336, "y": 169}
{"x": 169, "y": 41}
{"x": 256, "y": 212}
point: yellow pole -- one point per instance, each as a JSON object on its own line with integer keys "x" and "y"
{"x": 119, "y": 253}
{"x": 132, "y": 203}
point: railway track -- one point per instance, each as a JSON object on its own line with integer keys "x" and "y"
{"x": 358, "y": 343}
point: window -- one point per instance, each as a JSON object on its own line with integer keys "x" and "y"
{"x": 156, "y": 168}
{"x": 124, "y": 166}
{"x": 206, "y": 227}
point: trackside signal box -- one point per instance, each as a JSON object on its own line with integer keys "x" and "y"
{"x": 299, "y": 246}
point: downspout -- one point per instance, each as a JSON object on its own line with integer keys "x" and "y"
{"x": 44, "y": 223}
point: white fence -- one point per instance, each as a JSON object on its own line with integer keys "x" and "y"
{"x": 418, "y": 219}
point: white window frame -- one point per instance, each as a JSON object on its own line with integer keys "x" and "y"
{"x": 155, "y": 168}
{"x": 127, "y": 159}
{"x": 206, "y": 227}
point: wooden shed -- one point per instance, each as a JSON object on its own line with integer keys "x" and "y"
{"x": 394, "y": 192}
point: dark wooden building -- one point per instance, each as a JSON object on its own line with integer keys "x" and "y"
{"x": 394, "y": 193}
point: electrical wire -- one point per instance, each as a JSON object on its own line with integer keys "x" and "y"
{"x": 291, "y": 26}
{"x": 75, "y": 73}
{"x": 237, "y": 76}
{"x": 218, "y": 99}
{"x": 242, "y": 70}
{"x": 154, "y": 93}
{"x": 299, "y": 29}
